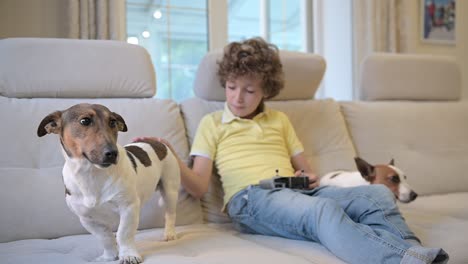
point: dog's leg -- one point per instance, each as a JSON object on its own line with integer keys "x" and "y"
{"x": 129, "y": 218}
{"x": 170, "y": 182}
{"x": 104, "y": 233}
{"x": 170, "y": 202}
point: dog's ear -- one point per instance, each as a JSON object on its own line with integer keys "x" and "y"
{"x": 367, "y": 170}
{"x": 120, "y": 122}
{"x": 392, "y": 162}
{"x": 50, "y": 124}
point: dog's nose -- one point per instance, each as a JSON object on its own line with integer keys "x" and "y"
{"x": 413, "y": 195}
{"x": 110, "y": 155}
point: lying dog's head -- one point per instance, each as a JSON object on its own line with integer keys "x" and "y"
{"x": 87, "y": 131}
{"x": 388, "y": 175}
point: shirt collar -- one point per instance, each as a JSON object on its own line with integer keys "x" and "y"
{"x": 228, "y": 116}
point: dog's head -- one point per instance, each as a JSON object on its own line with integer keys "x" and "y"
{"x": 388, "y": 175}
{"x": 87, "y": 131}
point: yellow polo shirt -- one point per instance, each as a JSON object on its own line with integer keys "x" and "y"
{"x": 246, "y": 151}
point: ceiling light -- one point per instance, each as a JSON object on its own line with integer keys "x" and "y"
{"x": 145, "y": 34}
{"x": 157, "y": 14}
{"x": 132, "y": 40}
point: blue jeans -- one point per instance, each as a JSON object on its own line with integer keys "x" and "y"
{"x": 359, "y": 224}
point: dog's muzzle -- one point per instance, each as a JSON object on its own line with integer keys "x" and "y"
{"x": 104, "y": 159}
{"x": 109, "y": 157}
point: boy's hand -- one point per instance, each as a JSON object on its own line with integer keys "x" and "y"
{"x": 157, "y": 139}
{"x": 313, "y": 178}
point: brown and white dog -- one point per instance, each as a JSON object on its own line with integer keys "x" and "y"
{"x": 388, "y": 175}
{"x": 106, "y": 183}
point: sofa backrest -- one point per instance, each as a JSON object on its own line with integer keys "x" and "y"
{"x": 389, "y": 76}
{"x": 32, "y": 199}
{"x": 303, "y": 73}
{"x": 319, "y": 124}
{"x": 415, "y": 118}
{"x": 69, "y": 68}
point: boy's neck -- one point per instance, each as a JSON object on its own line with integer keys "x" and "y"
{"x": 260, "y": 108}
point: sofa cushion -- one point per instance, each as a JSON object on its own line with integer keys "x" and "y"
{"x": 440, "y": 221}
{"x": 388, "y": 76}
{"x": 197, "y": 244}
{"x": 428, "y": 140}
{"x": 303, "y": 73}
{"x": 321, "y": 128}
{"x": 31, "y": 167}
{"x": 319, "y": 125}
{"x": 193, "y": 110}
{"x": 72, "y": 68}
{"x": 437, "y": 220}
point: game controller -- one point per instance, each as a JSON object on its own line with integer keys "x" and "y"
{"x": 292, "y": 182}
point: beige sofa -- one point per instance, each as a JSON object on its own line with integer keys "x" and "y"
{"x": 412, "y": 113}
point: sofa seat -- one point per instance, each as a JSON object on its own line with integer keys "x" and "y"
{"x": 441, "y": 221}
{"x": 433, "y": 218}
{"x": 197, "y": 243}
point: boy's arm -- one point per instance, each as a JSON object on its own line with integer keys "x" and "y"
{"x": 196, "y": 181}
{"x": 302, "y": 167}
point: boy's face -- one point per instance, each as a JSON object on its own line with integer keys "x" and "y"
{"x": 244, "y": 95}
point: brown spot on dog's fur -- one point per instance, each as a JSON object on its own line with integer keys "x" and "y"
{"x": 132, "y": 159}
{"x": 93, "y": 139}
{"x": 140, "y": 154}
{"x": 69, "y": 154}
{"x": 158, "y": 147}
{"x": 383, "y": 175}
{"x": 336, "y": 174}
{"x": 50, "y": 124}
{"x": 87, "y": 131}
{"x": 366, "y": 169}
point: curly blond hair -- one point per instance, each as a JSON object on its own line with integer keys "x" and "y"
{"x": 253, "y": 58}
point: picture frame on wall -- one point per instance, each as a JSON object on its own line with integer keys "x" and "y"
{"x": 438, "y": 21}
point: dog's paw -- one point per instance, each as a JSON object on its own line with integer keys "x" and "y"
{"x": 129, "y": 256}
{"x": 170, "y": 235}
{"x": 130, "y": 259}
{"x": 105, "y": 257}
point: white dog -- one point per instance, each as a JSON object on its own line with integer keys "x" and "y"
{"x": 388, "y": 175}
{"x": 106, "y": 183}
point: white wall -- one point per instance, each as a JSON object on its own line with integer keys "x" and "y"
{"x": 459, "y": 51}
{"x": 33, "y": 18}
{"x": 333, "y": 40}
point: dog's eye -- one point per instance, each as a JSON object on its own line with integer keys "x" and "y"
{"x": 85, "y": 121}
{"x": 395, "y": 179}
{"x": 113, "y": 123}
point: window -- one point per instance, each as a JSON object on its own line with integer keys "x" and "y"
{"x": 175, "y": 32}
{"x": 285, "y": 24}
{"x": 243, "y": 19}
{"x": 278, "y": 21}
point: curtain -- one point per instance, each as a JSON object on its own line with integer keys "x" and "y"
{"x": 378, "y": 26}
{"x": 97, "y": 19}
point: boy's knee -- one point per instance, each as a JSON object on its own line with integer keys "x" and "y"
{"x": 382, "y": 194}
{"x": 325, "y": 206}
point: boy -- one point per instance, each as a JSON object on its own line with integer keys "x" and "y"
{"x": 247, "y": 142}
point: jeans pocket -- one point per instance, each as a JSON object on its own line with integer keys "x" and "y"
{"x": 237, "y": 210}
{"x": 237, "y": 206}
